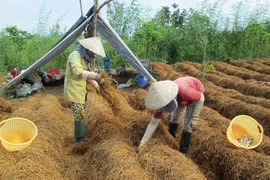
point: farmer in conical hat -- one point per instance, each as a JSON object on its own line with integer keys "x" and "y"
{"x": 78, "y": 73}
{"x": 184, "y": 94}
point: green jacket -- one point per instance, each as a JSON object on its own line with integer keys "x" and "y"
{"x": 75, "y": 87}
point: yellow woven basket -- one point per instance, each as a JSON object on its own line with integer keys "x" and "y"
{"x": 17, "y": 133}
{"x": 245, "y": 125}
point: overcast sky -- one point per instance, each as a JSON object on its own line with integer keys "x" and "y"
{"x": 24, "y": 13}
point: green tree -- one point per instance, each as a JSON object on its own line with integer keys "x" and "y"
{"x": 163, "y": 17}
{"x": 256, "y": 38}
{"x": 147, "y": 37}
{"x": 170, "y": 24}
{"x": 6, "y": 56}
{"x": 169, "y": 47}
{"x": 176, "y": 18}
{"x": 18, "y": 39}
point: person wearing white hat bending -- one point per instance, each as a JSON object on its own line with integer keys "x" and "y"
{"x": 78, "y": 73}
{"x": 184, "y": 94}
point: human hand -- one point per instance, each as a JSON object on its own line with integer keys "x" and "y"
{"x": 99, "y": 79}
{"x": 95, "y": 85}
{"x": 93, "y": 76}
{"x": 194, "y": 123}
{"x": 152, "y": 126}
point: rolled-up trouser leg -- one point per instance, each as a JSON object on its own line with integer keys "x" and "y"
{"x": 79, "y": 123}
{"x": 80, "y": 130}
{"x": 185, "y": 141}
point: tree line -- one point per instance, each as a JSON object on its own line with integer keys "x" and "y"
{"x": 170, "y": 35}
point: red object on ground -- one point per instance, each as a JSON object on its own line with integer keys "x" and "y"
{"x": 14, "y": 73}
{"x": 54, "y": 71}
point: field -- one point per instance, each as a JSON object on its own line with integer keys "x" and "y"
{"x": 116, "y": 121}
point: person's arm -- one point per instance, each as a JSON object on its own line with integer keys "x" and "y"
{"x": 75, "y": 64}
{"x": 77, "y": 69}
{"x": 151, "y": 128}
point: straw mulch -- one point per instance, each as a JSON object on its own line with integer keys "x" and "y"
{"x": 166, "y": 71}
{"x": 116, "y": 121}
{"x": 218, "y": 122}
{"x": 227, "y": 105}
{"x": 113, "y": 138}
{"x": 41, "y": 160}
{"x": 187, "y": 68}
{"x": 162, "y": 162}
{"x": 250, "y": 65}
{"x": 137, "y": 98}
{"x": 263, "y": 61}
{"x": 230, "y": 107}
{"x": 237, "y": 95}
{"x": 5, "y": 106}
{"x": 227, "y": 82}
{"x": 210, "y": 148}
{"x": 240, "y": 72}
{"x": 243, "y": 87}
{"x": 215, "y": 122}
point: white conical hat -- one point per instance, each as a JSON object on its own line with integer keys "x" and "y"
{"x": 160, "y": 94}
{"x": 94, "y": 45}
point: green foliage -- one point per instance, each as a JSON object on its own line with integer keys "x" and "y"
{"x": 208, "y": 67}
{"x": 21, "y": 49}
{"x": 7, "y": 58}
{"x": 172, "y": 35}
{"x": 205, "y": 67}
{"x": 163, "y": 17}
{"x": 18, "y": 37}
{"x": 17, "y": 40}
{"x": 257, "y": 38}
{"x": 201, "y": 35}
{"x": 168, "y": 48}
{"x": 148, "y": 36}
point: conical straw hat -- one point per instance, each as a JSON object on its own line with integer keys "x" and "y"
{"x": 160, "y": 94}
{"x": 94, "y": 45}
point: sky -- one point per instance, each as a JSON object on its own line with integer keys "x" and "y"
{"x": 24, "y": 13}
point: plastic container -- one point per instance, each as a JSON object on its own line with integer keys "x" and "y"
{"x": 17, "y": 133}
{"x": 141, "y": 80}
{"x": 245, "y": 125}
{"x": 14, "y": 73}
{"x": 54, "y": 71}
{"x": 23, "y": 90}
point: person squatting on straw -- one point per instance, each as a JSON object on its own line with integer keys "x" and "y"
{"x": 78, "y": 73}
{"x": 184, "y": 94}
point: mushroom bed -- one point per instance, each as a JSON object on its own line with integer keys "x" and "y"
{"x": 117, "y": 119}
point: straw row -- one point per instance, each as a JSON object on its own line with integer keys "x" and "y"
{"x": 250, "y": 65}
